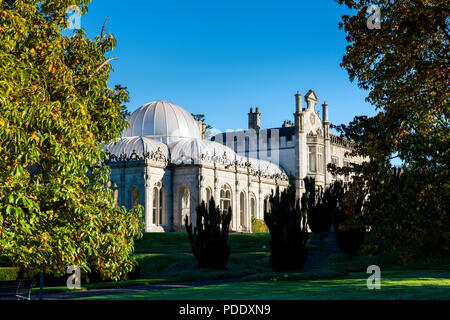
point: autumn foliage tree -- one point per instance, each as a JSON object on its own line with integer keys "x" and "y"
{"x": 404, "y": 67}
{"x": 55, "y": 111}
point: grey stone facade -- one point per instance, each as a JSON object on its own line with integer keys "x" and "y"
{"x": 164, "y": 163}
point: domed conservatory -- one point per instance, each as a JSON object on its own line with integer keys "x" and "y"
{"x": 164, "y": 163}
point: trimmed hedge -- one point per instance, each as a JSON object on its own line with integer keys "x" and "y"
{"x": 9, "y": 273}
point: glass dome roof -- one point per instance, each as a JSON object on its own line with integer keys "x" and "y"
{"x": 163, "y": 121}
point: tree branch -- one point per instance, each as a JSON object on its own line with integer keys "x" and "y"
{"x": 104, "y": 63}
{"x": 103, "y": 28}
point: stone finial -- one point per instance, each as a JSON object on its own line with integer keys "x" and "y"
{"x": 311, "y": 99}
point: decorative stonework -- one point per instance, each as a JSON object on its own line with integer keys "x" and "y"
{"x": 312, "y": 118}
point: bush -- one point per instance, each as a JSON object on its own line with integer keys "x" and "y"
{"x": 288, "y": 231}
{"x": 259, "y": 226}
{"x": 209, "y": 238}
{"x": 9, "y": 273}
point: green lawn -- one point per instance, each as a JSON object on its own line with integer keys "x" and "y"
{"x": 183, "y": 267}
{"x": 167, "y": 257}
{"x": 397, "y": 284}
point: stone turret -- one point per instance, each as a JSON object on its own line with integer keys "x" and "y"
{"x": 300, "y": 146}
{"x": 254, "y": 119}
{"x": 326, "y": 136}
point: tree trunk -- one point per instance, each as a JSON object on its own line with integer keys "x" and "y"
{"x": 41, "y": 285}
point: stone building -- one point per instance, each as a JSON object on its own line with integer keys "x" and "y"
{"x": 303, "y": 147}
{"x": 164, "y": 163}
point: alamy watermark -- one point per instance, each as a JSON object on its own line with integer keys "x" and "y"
{"x": 74, "y": 280}
{"x": 374, "y": 20}
{"x": 374, "y": 280}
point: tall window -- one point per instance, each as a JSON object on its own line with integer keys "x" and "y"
{"x": 185, "y": 205}
{"x": 116, "y": 196}
{"x": 247, "y": 145}
{"x": 235, "y": 143}
{"x": 266, "y": 204}
{"x": 158, "y": 203}
{"x": 320, "y": 160}
{"x": 135, "y": 197}
{"x": 115, "y": 191}
{"x": 225, "y": 198}
{"x": 253, "y": 206}
{"x": 208, "y": 196}
{"x": 312, "y": 159}
{"x": 269, "y": 142}
{"x": 242, "y": 209}
{"x": 161, "y": 204}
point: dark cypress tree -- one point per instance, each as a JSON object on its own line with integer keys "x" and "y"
{"x": 317, "y": 206}
{"x": 209, "y": 238}
{"x": 288, "y": 231}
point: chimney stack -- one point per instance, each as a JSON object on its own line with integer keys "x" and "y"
{"x": 325, "y": 112}
{"x": 298, "y": 102}
{"x": 254, "y": 119}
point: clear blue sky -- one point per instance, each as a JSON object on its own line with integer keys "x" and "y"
{"x": 221, "y": 57}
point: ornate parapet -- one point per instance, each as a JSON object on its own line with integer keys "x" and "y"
{"x": 156, "y": 156}
{"x": 340, "y": 141}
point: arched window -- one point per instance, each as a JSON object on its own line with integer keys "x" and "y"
{"x": 135, "y": 197}
{"x": 208, "y": 196}
{"x": 185, "y": 205}
{"x": 158, "y": 202}
{"x": 266, "y": 204}
{"x": 252, "y": 206}
{"x": 243, "y": 209}
{"x": 161, "y": 204}
{"x": 225, "y": 198}
{"x": 115, "y": 191}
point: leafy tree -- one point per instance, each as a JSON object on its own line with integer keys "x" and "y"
{"x": 209, "y": 238}
{"x": 347, "y": 203}
{"x": 201, "y": 117}
{"x": 55, "y": 111}
{"x": 404, "y": 67}
{"x": 288, "y": 231}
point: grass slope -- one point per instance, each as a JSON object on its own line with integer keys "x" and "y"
{"x": 400, "y": 284}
